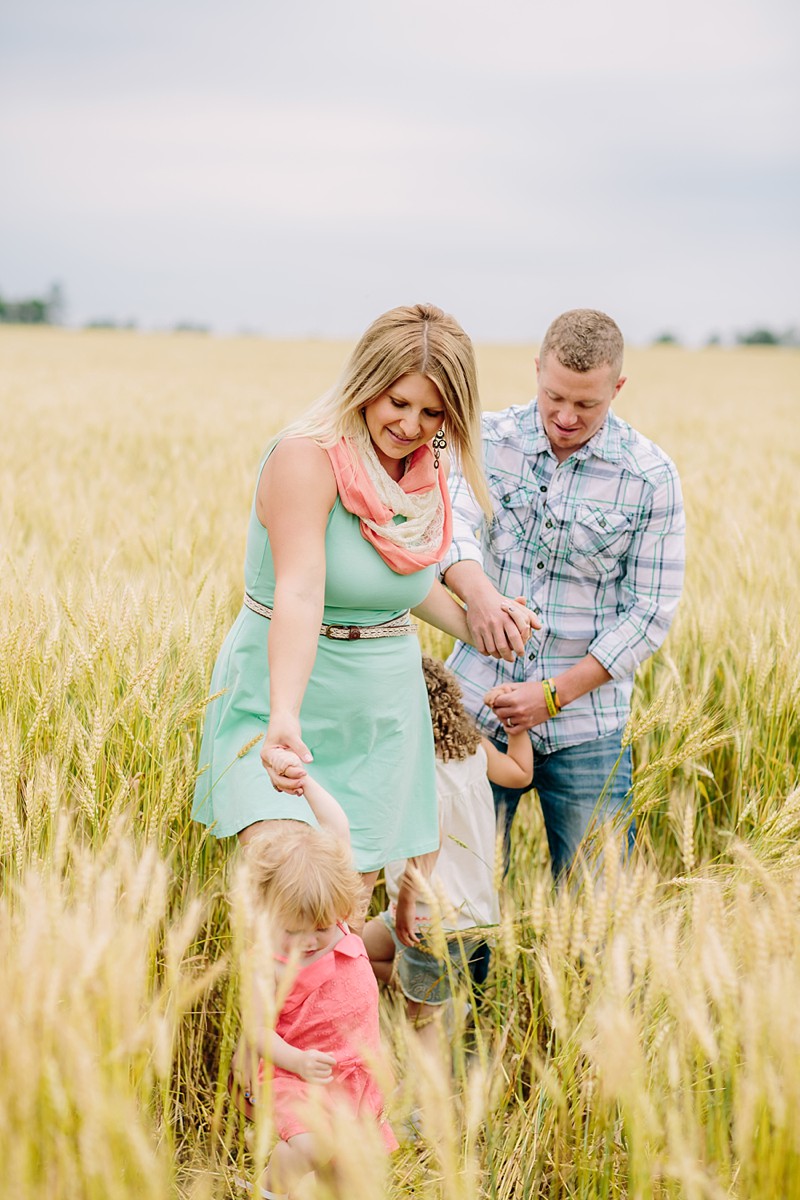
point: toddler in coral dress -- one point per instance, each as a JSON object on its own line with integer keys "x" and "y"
{"x": 322, "y": 993}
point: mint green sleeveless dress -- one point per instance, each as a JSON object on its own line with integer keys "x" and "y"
{"x": 365, "y": 715}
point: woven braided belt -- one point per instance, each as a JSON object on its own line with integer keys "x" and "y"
{"x": 397, "y": 627}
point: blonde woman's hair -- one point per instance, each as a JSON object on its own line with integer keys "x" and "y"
{"x": 302, "y": 873}
{"x": 418, "y": 339}
{"x": 583, "y": 339}
{"x": 455, "y": 734}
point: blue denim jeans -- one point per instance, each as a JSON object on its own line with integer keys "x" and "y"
{"x": 570, "y": 784}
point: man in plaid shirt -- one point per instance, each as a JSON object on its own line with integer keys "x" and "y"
{"x": 589, "y": 528}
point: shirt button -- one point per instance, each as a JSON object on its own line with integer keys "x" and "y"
{"x": 542, "y": 487}
{"x": 540, "y": 565}
{"x": 538, "y": 612}
{"x": 532, "y": 656}
{"x": 548, "y": 524}
{"x": 506, "y": 498}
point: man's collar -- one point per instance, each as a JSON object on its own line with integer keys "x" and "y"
{"x": 606, "y": 443}
{"x": 537, "y": 440}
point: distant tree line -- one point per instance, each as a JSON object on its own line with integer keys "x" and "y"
{"x": 49, "y": 310}
{"x": 751, "y": 337}
{"x": 768, "y": 337}
{"x": 34, "y": 310}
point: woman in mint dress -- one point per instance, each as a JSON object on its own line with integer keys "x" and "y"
{"x": 349, "y": 518}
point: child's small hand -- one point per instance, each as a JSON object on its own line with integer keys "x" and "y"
{"x": 315, "y": 1066}
{"x": 284, "y": 737}
{"x": 285, "y": 762}
{"x": 491, "y": 697}
{"x": 243, "y": 1073}
{"x": 405, "y": 918}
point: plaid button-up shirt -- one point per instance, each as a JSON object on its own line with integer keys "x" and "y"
{"x": 595, "y": 544}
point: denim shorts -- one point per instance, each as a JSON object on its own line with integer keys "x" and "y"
{"x": 424, "y": 977}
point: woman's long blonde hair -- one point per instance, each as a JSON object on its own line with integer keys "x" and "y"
{"x": 416, "y": 339}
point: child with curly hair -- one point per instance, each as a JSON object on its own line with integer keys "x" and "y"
{"x": 319, "y": 994}
{"x": 460, "y": 887}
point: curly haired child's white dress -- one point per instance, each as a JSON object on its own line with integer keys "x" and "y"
{"x": 464, "y": 872}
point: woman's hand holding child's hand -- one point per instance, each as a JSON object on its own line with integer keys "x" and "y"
{"x": 283, "y": 753}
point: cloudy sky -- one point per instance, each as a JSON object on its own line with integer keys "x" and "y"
{"x": 295, "y": 168}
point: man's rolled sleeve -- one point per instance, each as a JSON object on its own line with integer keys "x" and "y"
{"x": 467, "y": 522}
{"x": 652, "y": 585}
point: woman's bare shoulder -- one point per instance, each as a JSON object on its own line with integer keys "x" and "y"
{"x": 300, "y": 452}
{"x": 300, "y": 467}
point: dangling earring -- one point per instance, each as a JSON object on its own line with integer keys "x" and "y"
{"x": 439, "y": 444}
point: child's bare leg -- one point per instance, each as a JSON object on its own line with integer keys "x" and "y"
{"x": 380, "y": 948}
{"x": 359, "y": 915}
{"x": 289, "y": 1162}
{"x": 426, "y": 1021}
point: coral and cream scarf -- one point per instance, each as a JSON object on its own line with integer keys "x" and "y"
{"x": 421, "y": 496}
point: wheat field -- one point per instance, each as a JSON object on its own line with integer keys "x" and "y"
{"x": 640, "y": 1036}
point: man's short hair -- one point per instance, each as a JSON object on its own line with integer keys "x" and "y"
{"x": 583, "y": 339}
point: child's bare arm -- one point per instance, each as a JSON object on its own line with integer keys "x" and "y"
{"x": 406, "y": 906}
{"x": 405, "y": 911}
{"x": 514, "y": 769}
{"x": 325, "y": 808}
{"x": 262, "y": 1042}
{"x": 315, "y": 1066}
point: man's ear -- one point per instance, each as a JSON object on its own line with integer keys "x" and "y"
{"x": 622, "y": 379}
{"x": 536, "y": 360}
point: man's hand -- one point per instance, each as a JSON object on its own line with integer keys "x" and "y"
{"x": 500, "y": 627}
{"x": 518, "y": 705}
{"x": 497, "y": 626}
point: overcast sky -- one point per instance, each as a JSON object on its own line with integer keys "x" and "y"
{"x": 296, "y": 168}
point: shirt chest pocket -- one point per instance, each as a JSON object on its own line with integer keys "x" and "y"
{"x": 512, "y": 515}
{"x": 598, "y": 539}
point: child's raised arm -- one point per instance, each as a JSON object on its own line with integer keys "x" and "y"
{"x": 325, "y": 808}
{"x": 515, "y": 768}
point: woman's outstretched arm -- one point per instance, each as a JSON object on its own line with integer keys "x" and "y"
{"x": 295, "y": 494}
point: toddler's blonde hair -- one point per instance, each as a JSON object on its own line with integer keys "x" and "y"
{"x": 302, "y": 873}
